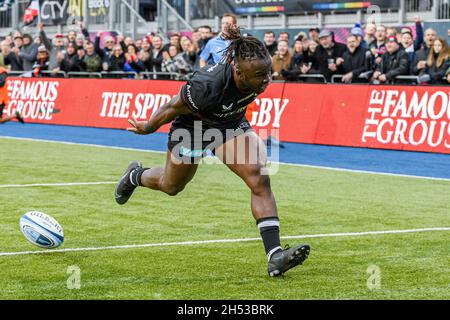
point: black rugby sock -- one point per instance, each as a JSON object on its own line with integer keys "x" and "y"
{"x": 135, "y": 176}
{"x": 269, "y": 229}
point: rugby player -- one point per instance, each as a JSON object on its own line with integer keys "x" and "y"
{"x": 217, "y": 97}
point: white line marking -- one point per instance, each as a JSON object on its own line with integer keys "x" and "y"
{"x": 81, "y": 144}
{"x": 186, "y": 243}
{"x": 283, "y": 163}
{"x": 68, "y": 184}
{"x": 366, "y": 172}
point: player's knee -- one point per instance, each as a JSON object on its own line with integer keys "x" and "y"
{"x": 173, "y": 190}
{"x": 259, "y": 184}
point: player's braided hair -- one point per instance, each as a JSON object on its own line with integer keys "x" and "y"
{"x": 244, "y": 47}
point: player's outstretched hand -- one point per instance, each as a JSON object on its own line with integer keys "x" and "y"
{"x": 138, "y": 127}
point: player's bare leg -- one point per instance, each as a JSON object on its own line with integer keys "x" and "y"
{"x": 246, "y": 156}
{"x": 170, "y": 179}
{"x": 11, "y": 117}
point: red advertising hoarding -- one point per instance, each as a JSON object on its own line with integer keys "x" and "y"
{"x": 388, "y": 117}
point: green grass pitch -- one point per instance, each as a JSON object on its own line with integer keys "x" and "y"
{"x": 216, "y": 206}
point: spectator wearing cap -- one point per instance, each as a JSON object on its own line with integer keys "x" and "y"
{"x": 421, "y": 56}
{"x": 79, "y": 41}
{"x": 52, "y": 49}
{"x": 300, "y": 47}
{"x": 356, "y": 60}
{"x": 314, "y": 34}
{"x": 281, "y": 60}
{"x": 68, "y": 61}
{"x": 395, "y": 62}
{"x": 17, "y": 40}
{"x": 378, "y": 47}
{"x": 146, "y": 53}
{"x": 42, "y": 61}
{"x": 106, "y": 52}
{"x": 28, "y": 52}
{"x": 438, "y": 62}
{"x": 71, "y": 36}
{"x": 302, "y": 36}
{"x": 328, "y": 54}
{"x": 358, "y": 32}
{"x": 270, "y": 42}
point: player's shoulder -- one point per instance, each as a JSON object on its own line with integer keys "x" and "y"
{"x": 213, "y": 75}
{"x": 214, "y": 70}
{"x": 207, "y": 86}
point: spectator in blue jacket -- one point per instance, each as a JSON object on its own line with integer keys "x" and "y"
{"x": 215, "y": 48}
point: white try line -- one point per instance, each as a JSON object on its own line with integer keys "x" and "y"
{"x": 204, "y": 242}
{"x": 282, "y": 163}
{"x": 68, "y": 184}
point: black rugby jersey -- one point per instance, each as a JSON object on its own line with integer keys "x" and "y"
{"x": 214, "y": 99}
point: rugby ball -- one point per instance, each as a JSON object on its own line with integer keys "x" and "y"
{"x": 41, "y": 230}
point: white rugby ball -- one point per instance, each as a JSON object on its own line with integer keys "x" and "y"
{"x": 41, "y": 230}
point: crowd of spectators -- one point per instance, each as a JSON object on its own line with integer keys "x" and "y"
{"x": 375, "y": 54}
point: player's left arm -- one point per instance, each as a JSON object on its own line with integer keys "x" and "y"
{"x": 162, "y": 116}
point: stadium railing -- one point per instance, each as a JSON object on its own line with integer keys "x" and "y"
{"x": 18, "y": 73}
{"x": 54, "y": 74}
{"x": 407, "y": 80}
{"x": 119, "y": 74}
{"x": 151, "y": 75}
{"x": 314, "y": 77}
{"x": 79, "y": 74}
{"x": 337, "y": 77}
{"x": 46, "y": 73}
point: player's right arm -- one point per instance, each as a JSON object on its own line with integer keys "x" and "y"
{"x": 162, "y": 116}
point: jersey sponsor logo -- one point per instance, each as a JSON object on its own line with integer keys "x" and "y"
{"x": 229, "y": 114}
{"x": 225, "y": 108}
{"x": 189, "y": 96}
